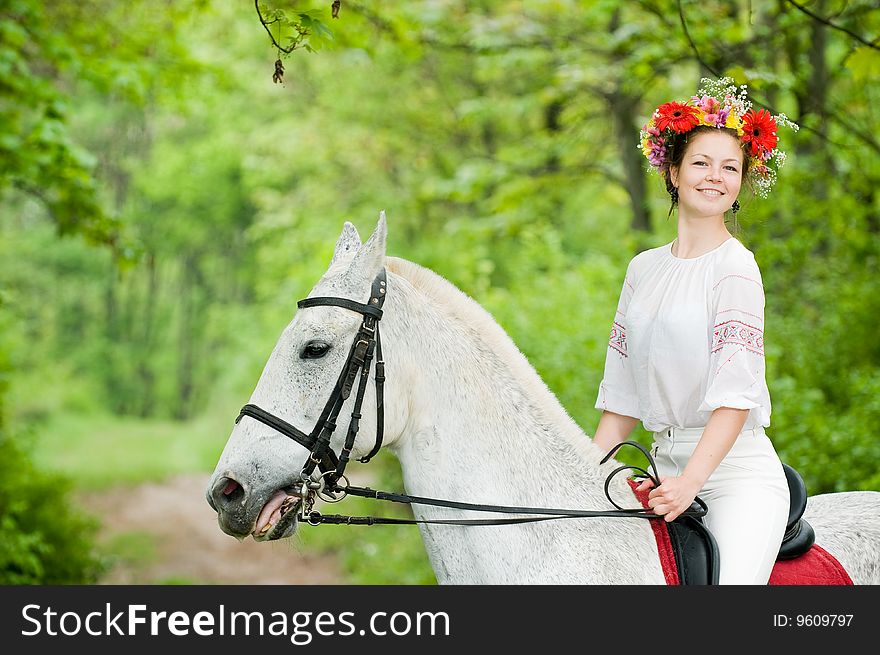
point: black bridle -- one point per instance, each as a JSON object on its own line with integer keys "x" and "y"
{"x": 360, "y": 356}
{"x": 332, "y": 469}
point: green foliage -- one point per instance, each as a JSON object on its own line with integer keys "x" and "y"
{"x": 39, "y": 157}
{"x": 45, "y": 540}
{"x": 44, "y": 48}
{"x": 289, "y": 31}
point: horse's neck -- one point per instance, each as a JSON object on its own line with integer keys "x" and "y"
{"x": 471, "y": 419}
{"x": 474, "y": 435}
{"x": 488, "y": 443}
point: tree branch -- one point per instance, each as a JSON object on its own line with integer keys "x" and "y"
{"x": 833, "y": 26}
{"x": 687, "y": 35}
{"x": 862, "y": 135}
{"x": 269, "y": 32}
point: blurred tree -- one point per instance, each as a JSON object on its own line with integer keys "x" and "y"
{"x": 38, "y": 156}
{"x": 44, "y": 51}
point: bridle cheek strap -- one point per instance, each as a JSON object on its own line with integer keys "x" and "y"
{"x": 367, "y": 342}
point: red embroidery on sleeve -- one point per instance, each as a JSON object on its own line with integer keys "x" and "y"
{"x": 617, "y": 340}
{"x": 737, "y": 332}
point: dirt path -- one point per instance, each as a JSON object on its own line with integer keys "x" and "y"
{"x": 165, "y": 532}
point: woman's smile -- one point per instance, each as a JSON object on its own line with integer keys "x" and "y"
{"x": 709, "y": 177}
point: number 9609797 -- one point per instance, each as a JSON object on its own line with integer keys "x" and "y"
{"x": 822, "y": 620}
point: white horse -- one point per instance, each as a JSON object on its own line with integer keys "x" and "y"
{"x": 470, "y": 420}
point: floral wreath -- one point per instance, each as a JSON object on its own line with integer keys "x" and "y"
{"x": 720, "y": 104}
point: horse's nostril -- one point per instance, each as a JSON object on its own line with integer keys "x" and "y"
{"x": 226, "y": 491}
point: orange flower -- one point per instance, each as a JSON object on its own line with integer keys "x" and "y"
{"x": 681, "y": 118}
{"x": 759, "y": 130}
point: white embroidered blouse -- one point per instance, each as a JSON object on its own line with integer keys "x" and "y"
{"x": 688, "y": 337}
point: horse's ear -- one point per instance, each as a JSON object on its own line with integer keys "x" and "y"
{"x": 371, "y": 256}
{"x": 347, "y": 245}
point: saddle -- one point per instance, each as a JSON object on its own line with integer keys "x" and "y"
{"x": 696, "y": 552}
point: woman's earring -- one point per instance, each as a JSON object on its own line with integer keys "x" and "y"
{"x": 735, "y": 206}
{"x": 674, "y": 194}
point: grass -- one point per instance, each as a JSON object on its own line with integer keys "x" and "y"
{"x": 135, "y": 549}
{"x": 99, "y": 450}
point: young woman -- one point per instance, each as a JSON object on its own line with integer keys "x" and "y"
{"x": 686, "y": 354}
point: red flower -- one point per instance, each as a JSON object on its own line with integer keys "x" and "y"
{"x": 681, "y": 118}
{"x": 759, "y": 130}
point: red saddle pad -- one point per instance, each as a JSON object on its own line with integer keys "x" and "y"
{"x": 815, "y": 567}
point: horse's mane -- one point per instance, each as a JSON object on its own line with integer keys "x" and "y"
{"x": 454, "y": 301}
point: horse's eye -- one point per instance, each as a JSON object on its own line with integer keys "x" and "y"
{"x": 314, "y": 350}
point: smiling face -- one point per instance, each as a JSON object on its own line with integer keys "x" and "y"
{"x": 710, "y": 174}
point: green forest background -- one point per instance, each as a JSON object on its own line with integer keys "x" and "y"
{"x": 164, "y": 203}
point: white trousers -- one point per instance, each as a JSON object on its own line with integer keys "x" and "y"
{"x": 747, "y": 496}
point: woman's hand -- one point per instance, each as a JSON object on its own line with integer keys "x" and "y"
{"x": 672, "y": 497}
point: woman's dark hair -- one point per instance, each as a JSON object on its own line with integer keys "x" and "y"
{"x": 677, "y": 146}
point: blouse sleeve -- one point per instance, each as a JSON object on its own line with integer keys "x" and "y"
{"x": 736, "y": 360}
{"x": 617, "y": 391}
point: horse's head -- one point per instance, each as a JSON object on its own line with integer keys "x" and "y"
{"x": 252, "y": 488}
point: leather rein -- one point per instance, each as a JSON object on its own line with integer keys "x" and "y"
{"x": 326, "y": 484}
